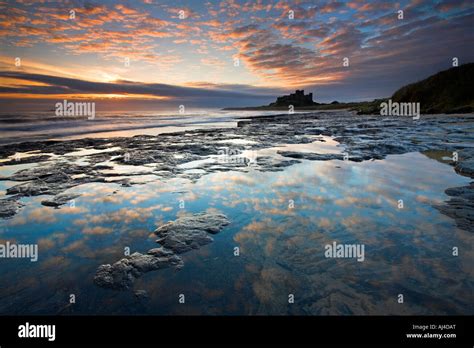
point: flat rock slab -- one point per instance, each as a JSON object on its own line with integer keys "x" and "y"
{"x": 176, "y": 237}
{"x": 465, "y": 165}
{"x": 25, "y": 160}
{"x": 122, "y": 274}
{"x": 59, "y": 200}
{"x": 190, "y": 232}
{"x": 460, "y": 207}
{"x": 9, "y": 207}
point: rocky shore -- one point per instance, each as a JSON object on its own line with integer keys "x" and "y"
{"x": 58, "y": 168}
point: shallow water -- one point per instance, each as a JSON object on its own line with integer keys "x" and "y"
{"x": 281, "y": 221}
{"x": 107, "y": 124}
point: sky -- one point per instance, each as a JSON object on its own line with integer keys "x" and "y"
{"x": 225, "y": 52}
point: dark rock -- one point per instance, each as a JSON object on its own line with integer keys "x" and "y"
{"x": 59, "y": 172}
{"x": 176, "y": 237}
{"x": 25, "y": 160}
{"x": 102, "y": 167}
{"x": 59, "y": 200}
{"x": 270, "y": 164}
{"x": 465, "y": 163}
{"x": 122, "y": 274}
{"x": 311, "y": 156}
{"x": 9, "y": 207}
{"x": 354, "y": 157}
{"x": 460, "y": 207}
{"x": 34, "y": 189}
{"x": 190, "y": 232}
